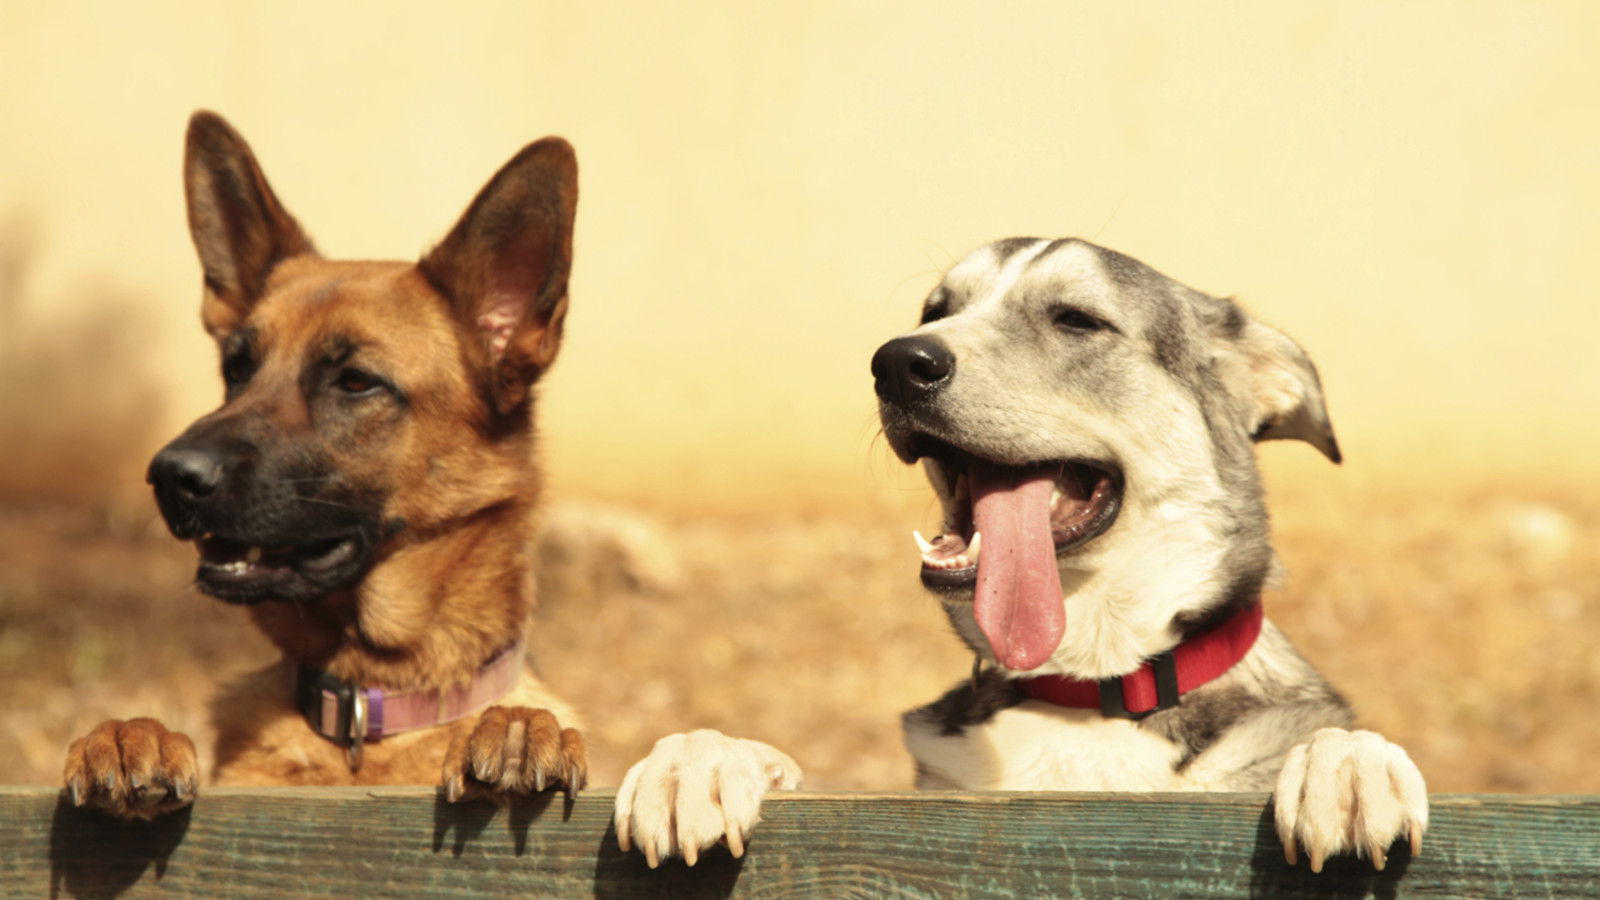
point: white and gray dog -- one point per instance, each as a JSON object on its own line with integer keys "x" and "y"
{"x": 1088, "y": 425}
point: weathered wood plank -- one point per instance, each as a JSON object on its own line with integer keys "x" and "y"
{"x": 405, "y": 842}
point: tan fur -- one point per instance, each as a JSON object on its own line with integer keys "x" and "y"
{"x": 462, "y": 335}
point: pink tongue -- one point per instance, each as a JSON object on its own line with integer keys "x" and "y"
{"x": 1018, "y": 598}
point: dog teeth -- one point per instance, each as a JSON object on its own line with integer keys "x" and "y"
{"x": 237, "y": 567}
{"x": 253, "y": 555}
{"x": 962, "y": 560}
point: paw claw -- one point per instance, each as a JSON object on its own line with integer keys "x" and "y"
{"x": 696, "y": 790}
{"x": 131, "y": 769}
{"x": 1349, "y": 792}
{"x": 510, "y": 750}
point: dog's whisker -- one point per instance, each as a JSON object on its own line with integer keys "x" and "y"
{"x": 333, "y": 503}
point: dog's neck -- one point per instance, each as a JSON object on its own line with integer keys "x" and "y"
{"x": 1159, "y": 682}
{"x": 1121, "y": 609}
{"x": 405, "y": 626}
{"x": 1115, "y": 624}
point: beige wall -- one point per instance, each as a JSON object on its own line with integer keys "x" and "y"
{"x": 1411, "y": 190}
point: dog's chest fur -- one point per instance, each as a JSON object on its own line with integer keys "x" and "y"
{"x": 1036, "y": 746}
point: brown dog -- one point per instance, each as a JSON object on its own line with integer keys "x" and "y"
{"x": 365, "y": 491}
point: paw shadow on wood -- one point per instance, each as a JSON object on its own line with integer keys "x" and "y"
{"x": 95, "y": 855}
{"x": 626, "y": 876}
{"x": 1341, "y": 876}
{"x": 469, "y": 818}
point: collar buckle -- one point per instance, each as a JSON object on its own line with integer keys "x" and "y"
{"x": 309, "y": 687}
{"x": 1164, "y": 667}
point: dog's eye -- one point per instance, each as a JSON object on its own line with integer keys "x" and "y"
{"x": 355, "y": 381}
{"x": 237, "y": 369}
{"x": 1077, "y": 320}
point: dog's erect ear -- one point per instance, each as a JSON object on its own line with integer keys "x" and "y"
{"x": 239, "y": 228}
{"x": 504, "y": 268}
{"x": 1281, "y": 387}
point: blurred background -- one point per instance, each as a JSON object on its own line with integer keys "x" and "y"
{"x": 1412, "y": 192}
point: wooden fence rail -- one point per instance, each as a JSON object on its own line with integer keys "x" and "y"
{"x": 407, "y": 842}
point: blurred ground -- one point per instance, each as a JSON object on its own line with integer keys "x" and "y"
{"x": 1459, "y": 616}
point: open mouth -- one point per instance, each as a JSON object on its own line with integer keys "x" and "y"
{"x": 241, "y": 572}
{"x": 1005, "y": 527}
{"x": 1082, "y": 502}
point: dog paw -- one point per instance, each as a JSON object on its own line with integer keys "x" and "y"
{"x": 695, "y": 789}
{"x": 1345, "y": 791}
{"x": 133, "y": 770}
{"x": 514, "y": 750}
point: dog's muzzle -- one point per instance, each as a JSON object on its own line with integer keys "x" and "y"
{"x": 262, "y": 535}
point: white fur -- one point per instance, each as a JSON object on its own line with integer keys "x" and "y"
{"x": 1037, "y": 746}
{"x": 696, "y": 789}
{"x": 1347, "y": 791}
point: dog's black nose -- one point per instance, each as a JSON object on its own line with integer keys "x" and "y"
{"x": 190, "y": 473}
{"x": 911, "y": 368}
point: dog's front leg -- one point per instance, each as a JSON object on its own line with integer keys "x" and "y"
{"x": 1345, "y": 791}
{"x": 513, "y": 749}
{"x": 133, "y": 770}
{"x": 696, "y": 789}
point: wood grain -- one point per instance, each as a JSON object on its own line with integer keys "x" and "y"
{"x": 406, "y": 842}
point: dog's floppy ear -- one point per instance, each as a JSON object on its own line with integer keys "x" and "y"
{"x": 504, "y": 268}
{"x": 1280, "y": 387}
{"x": 239, "y": 228}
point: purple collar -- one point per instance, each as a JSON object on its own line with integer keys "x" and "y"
{"x": 342, "y": 712}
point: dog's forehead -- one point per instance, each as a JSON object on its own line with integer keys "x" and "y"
{"x": 1062, "y": 268}
{"x": 1016, "y": 270}
{"x": 381, "y": 307}
{"x": 984, "y": 272}
{"x": 1022, "y": 272}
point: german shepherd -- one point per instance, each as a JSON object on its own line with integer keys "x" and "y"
{"x": 365, "y": 491}
{"x": 1088, "y": 426}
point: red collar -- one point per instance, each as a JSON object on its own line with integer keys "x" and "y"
{"x": 1159, "y": 683}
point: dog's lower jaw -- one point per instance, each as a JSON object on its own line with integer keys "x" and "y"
{"x": 245, "y": 575}
{"x": 393, "y": 631}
